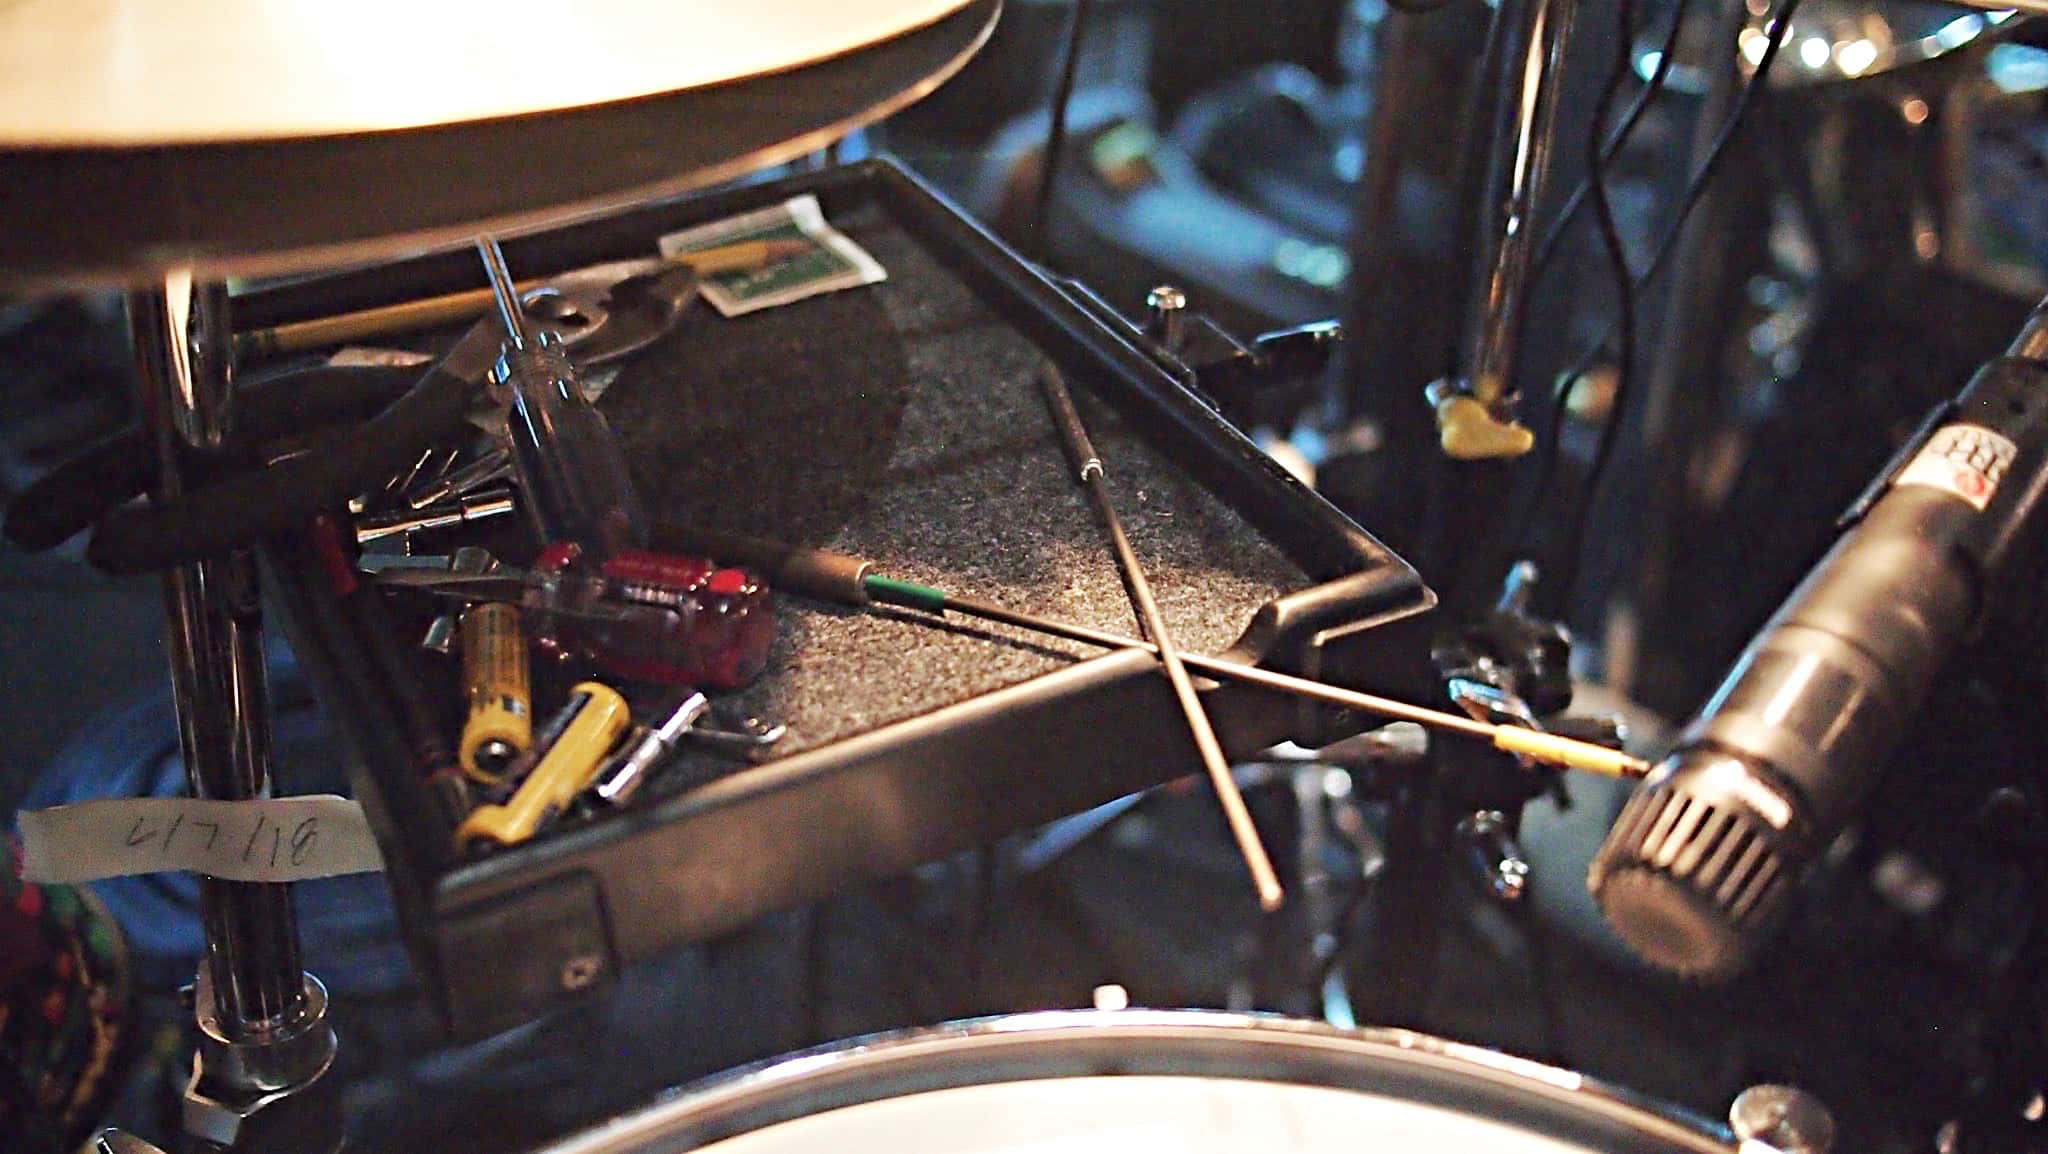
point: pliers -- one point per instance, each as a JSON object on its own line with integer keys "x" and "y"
{"x": 374, "y": 422}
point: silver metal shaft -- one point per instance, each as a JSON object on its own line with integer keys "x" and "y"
{"x": 504, "y": 290}
{"x": 263, "y": 1035}
{"x": 215, "y": 642}
{"x": 1524, "y": 130}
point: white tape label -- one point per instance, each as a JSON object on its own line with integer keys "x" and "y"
{"x": 1967, "y": 460}
{"x": 284, "y": 839}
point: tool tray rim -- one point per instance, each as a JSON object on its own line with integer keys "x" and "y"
{"x": 639, "y": 882}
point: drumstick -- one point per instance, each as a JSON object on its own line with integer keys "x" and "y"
{"x": 456, "y": 307}
{"x": 847, "y": 580}
{"x": 1087, "y": 465}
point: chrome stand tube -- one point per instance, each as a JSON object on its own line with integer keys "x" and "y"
{"x": 263, "y": 1031}
{"x": 1522, "y": 133}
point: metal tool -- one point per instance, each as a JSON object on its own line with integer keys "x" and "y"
{"x": 1087, "y": 465}
{"x": 470, "y": 507}
{"x": 750, "y": 738}
{"x": 492, "y": 465}
{"x": 602, "y": 313}
{"x": 253, "y": 503}
{"x": 573, "y": 481}
{"x": 500, "y": 723}
{"x": 640, "y": 615}
{"x": 646, "y": 747}
{"x": 434, "y": 461}
{"x": 600, "y": 322}
{"x": 468, "y": 561}
{"x": 623, "y": 776}
{"x": 583, "y": 732}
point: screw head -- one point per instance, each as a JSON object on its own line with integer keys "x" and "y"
{"x": 1783, "y": 1118}
{"x": 581, "y": 972}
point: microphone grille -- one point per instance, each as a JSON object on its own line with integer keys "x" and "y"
{"x": 1691, "y": 879}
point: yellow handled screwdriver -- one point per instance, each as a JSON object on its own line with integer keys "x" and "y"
{"x": 469, "y": 304}
{"x": 588, "y": 726}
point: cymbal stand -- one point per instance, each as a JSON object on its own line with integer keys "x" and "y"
{"x": 263, "y": 1032}
{"x": 1475, "y": 409}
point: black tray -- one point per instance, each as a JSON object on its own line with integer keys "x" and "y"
{"x": 898, "y": 421}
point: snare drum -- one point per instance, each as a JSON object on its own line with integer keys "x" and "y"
{"x": 1185, "y": 1082}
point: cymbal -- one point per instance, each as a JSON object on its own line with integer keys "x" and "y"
{"x": 253, "y": 137}
{"x": 141, "y": 72}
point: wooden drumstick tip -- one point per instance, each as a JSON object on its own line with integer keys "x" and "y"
{"x": 1264, "y": 880}
{"x": 1271, "y": 896}
{"x": 1551, "y": 749}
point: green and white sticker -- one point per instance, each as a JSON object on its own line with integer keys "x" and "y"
{"x": 830, "y": 261}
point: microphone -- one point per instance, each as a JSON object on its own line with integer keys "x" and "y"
{"x": 1699, "y": 868}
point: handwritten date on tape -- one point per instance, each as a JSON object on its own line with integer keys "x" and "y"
{"x": 283, "y": 839}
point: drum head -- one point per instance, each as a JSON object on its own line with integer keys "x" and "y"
{"x": 1203, "y": 1083}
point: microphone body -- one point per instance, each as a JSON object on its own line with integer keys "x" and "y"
{"x": 1700, "y": 866}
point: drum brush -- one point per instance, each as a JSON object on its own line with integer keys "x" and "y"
{"x": 828, "y": 575}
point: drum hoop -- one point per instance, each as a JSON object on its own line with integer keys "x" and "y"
{"x": 714, "y": 1103}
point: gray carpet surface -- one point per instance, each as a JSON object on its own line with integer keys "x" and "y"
{"x": 902, "y": 422}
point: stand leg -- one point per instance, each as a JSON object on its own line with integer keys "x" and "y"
{"x": 263, "y": 1030}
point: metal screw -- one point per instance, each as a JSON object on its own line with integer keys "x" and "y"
{"x": 579, "y": 972}
{"x": 1165, "y": 309}
{"x": 1783, "y": 1118}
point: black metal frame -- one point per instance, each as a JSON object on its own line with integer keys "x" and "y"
{"x": 505, "y": 938}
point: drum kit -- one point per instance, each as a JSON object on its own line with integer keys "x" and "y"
{"x": 207, "y": 161}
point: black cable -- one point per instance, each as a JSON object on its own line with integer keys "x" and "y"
{"x": 1056, "y": 134}
{"x": 1617, "y": 260}
{"x": 1667, "y": 245}
{"x": 1653, "y": 86}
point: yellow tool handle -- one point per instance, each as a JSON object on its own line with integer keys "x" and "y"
{"x": 1571, "y": 753}
{"x": 500, "y": 722}
{"x": 453, "y": 308}
{"x": 565, "y": 770}
{"x": 384, "y": 320}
